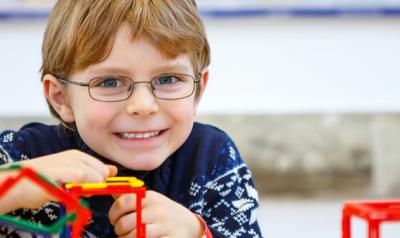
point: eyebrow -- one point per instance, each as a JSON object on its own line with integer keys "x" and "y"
{"x": 123, "y": 71}
{"x": 172, "y": 67}
{"x": 109, "y": 70}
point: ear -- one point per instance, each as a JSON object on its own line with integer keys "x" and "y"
{"x": 203, "y": 84}
{"x": 57, "y": 97}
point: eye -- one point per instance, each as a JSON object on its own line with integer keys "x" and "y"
{"x": 166, "y": 79}
{"x": 109, "y": 82}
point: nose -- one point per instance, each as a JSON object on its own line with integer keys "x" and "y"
{"x": 142, "y": 101}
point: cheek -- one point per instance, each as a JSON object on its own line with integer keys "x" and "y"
{"x": 92, "y": 115}
{"x": 182, "y": 111}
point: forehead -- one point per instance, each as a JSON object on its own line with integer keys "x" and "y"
{"x": 139, "y": 54}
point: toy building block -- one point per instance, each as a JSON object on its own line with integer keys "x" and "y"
{"x": 374, "y": 212}
{"x": 115, "y": 185}
{"x": 78, "y": 215}
{"x": 41, "y": 230}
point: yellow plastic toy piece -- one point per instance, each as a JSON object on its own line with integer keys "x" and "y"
{"x": 112, "y": 181}
{"x": 133, "y": 181}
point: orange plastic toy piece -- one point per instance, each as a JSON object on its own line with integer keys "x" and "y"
{"x": 374, "y": 212}
{"x": 115, "y": 185}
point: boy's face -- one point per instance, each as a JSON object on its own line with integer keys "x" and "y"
{"x": 115, "y": 129}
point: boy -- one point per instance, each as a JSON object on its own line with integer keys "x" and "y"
{"x": 125, "y": 78}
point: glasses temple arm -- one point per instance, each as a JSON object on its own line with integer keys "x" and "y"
{"x": 72, "y": 82}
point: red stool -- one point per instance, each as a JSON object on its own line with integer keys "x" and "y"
{"x": 374, "y": 212}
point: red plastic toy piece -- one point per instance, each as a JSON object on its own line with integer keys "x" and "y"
{"x": 374, "y": 212}
{"x": 71, "y": 203}
{"x": 115, "y": 186}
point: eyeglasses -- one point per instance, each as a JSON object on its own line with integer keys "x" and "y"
{"x": 119, "y": 88}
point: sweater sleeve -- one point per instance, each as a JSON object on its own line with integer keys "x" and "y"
{"x": 228, "y": 200}
{"x": 12, "y": 148}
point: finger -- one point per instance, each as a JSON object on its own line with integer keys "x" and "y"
{"x": 97, "y": 165}
{"x": 73, "y": 175}
{"x": 126, "y": 224}
{"x": 112, "y": 170}
{"x": 124, "y": 204}
{"x": 92, "y": 175}
{"x": 152, "y": 231}
{"x": 116, "y": 196}
{"x": 131, "y": 234}
{"x": 81, "y": 174}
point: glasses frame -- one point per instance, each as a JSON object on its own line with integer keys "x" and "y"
{"x": 132, "y": 86}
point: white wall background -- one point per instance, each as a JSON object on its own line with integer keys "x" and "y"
{"x": 265, "y": 65}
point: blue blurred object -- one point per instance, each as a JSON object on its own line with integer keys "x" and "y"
{"x": 303, "y": 12}
{"x": 25, "y": 9}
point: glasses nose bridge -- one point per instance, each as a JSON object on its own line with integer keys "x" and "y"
{"x": 132, "y": 87}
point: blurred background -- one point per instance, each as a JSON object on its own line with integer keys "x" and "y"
{"x": 308, "y": 89}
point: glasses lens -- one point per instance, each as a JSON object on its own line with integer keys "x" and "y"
{"x": 173, "y": 86}
{"x": 110, "y": 88}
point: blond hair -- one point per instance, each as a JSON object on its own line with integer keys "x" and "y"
{"x": 80, "y": 32}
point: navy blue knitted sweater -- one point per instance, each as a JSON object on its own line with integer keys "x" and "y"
{"x": 206, "y": 175}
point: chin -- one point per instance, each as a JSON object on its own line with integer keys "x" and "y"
{"x": 145, "y": 164}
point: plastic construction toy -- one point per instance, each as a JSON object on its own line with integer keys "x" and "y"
{"x": 77, "y": 213}
{"x": 115, "y": 185}
{"x": 374, "y": 212}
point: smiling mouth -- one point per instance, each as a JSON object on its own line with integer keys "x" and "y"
{"x": 131, "y": 135}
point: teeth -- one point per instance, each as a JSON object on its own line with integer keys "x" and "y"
{"x": 128, "y": 135}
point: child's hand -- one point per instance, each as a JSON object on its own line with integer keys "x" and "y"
{"x": 71, "y": 166}
{"x": 162, "y": 216}
{"x": 64, "y": 167}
